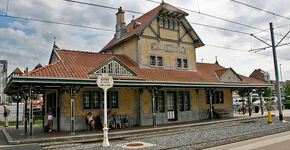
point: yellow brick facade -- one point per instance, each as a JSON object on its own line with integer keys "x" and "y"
{"x": 128, "y": 49}
{"x": 146, "y": 100}
{"x": 126, "y": 104}
{"x": 227, "y": 100}
{"x": 169, "y": 57}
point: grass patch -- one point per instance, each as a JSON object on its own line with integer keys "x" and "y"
{"x": 13, "y": 123}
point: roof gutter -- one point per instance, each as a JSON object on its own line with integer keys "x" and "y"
{"x": 82, "y": 82}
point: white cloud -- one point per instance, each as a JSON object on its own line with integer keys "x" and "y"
{"x": 23, "y": 48}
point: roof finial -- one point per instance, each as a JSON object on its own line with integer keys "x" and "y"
{"x": 133, "y": 18}
{"x": 162, "y": 1}
{"x": 54, "y": 45}
{"x": 216, "y": 60}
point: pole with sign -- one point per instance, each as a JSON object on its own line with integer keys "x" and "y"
{"x": 105, "y": 82}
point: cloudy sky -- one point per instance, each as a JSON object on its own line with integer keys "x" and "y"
{"x": 26, "y": 43}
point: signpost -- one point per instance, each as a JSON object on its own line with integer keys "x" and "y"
{"x": 105, "y": 82}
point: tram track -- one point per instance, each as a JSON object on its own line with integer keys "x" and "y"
{"x": 142, "y": 136}
{"x": 228, "y": 140}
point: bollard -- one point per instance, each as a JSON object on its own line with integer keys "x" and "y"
{"x": 269, "y": 116}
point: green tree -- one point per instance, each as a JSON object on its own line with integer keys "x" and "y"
{"x": 287, "y": 89}
{"x": 267, "y": 92}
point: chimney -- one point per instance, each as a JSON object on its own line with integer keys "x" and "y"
{"x": 121, "y": 25}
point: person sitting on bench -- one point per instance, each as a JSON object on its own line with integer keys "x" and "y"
{"x": 91, "y": 120}
{"x": 117, "y": 120}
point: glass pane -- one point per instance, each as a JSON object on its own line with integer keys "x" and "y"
{"x": 165, "y": 23}
{"x": 179, "y": 63}
{"x": 181, "y": 103}
{"x": 185, "y": 63}
{"x": 86, "y": 100}
{"x": 186, "y": 100}
{"x": 171, "y": 24}
{"x": 114, "y": 99}
{"x": 175, "y": 25}
{"x": 161, "y": 22}
{"x": 159, "y": 61}
{"x": 161, "y": 101}
{"x": 152, "y": 60}
{"x": 96, "y": 100}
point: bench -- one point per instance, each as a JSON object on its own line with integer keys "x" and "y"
{"x": 221, "y": 112}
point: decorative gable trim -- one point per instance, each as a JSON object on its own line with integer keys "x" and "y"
{"x": 54, "y": 54}
{"x": 113, "y": 66}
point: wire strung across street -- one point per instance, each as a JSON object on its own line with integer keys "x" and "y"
{"x": 272, "y": 13}
{"x": 110, "y": 30}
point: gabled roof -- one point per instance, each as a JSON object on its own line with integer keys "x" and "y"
{"x": 112, "y": 60}
{"x": 222, "y": 72}
{"x": 144, "y": 20}
{"x": 78, "y": 64}
{"x": 17, "y": 71}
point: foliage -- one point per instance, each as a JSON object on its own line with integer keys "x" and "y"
{"x": 13, "y": 123}
{"x": 38, "y": 117}
{"x": 287, "y": 104}
{"x": 287, "y": 89}
{"x": 267, "y": 92}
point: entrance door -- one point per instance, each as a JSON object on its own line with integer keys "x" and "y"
{"x": 171, "y": 106}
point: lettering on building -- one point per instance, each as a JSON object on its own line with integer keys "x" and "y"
{"x": 168, "y": 48}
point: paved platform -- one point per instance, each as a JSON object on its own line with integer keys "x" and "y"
{"x": 17, "y": 135}
{"x": 279, "y": 141}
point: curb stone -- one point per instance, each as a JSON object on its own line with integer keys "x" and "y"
{"x": 9, "y": 139}
{"x": 81, "y": 137}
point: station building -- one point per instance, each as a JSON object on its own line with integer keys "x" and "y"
{"x": 156, "y": 77}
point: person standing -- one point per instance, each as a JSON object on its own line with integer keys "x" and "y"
{"x": 50, "y": 119}
{"x": 6, "y": 114}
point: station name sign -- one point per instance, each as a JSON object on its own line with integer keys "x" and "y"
{"x": 105, "y": 81}
{"x": 168, "y": 48}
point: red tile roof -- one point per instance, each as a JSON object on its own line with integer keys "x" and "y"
{"x": 17, "y": 71}
{"x": 77, "y": 64}
{"x": 144, "y": 20}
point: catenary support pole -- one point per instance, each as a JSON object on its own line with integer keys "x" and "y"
{"x": 17, "y": 113}
{"x": 276, "y": 72}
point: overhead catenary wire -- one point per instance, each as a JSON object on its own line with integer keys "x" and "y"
{"x": 260, "y": 9}
{"x": 240, "y": 50}
{"x": 110, "y": 30}
{"x": 208, "y": 15}
{"x": 219, "y": 18}
{"x": 56, "y": 22}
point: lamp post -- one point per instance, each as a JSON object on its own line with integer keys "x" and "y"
{"x": 105, "y": 82}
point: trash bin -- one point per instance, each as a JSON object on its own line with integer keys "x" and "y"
{"x": 257, "y": 109}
